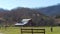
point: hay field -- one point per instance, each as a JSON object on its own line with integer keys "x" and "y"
{"x": 17, "y": 30}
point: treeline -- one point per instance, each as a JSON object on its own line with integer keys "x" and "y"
{"x": 10, "y": 17}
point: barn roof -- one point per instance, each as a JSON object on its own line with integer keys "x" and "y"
{"x": 23, "y": 22}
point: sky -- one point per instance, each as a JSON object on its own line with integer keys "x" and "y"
{"x": 10, "y": 4}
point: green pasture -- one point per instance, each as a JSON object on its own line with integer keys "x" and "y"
{"x": 17, "y": 30}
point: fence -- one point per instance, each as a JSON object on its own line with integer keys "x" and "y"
{"x": 32, "y": 31}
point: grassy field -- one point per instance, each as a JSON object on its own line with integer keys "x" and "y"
{"x": 17, "y": 30}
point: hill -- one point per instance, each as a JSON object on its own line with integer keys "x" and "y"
{"x": 51, "y": 10}
{"x": 10, "y": 17}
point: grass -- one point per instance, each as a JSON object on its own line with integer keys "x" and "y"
{"x": 17, "y": 30}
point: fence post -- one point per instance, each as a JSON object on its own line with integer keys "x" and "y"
{"x": 32, "y": 31}
{"x": 21, "y": 30}
{"x": 44, "y": 31}
{"x": 51, "y": 29}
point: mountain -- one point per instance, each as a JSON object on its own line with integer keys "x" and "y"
{"x": 20, "y": 13}
{"x": 17, "y": 14}
{"x": 50, "y": 11}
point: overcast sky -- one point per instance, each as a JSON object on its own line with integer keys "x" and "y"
{"x": 10, "y": 4}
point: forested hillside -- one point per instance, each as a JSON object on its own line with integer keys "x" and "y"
{"x": 10, "y": 17}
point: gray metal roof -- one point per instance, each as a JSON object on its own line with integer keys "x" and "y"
{"x": 23, "y": 22}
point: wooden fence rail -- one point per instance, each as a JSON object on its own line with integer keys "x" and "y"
{"x": 32, "y": 31}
